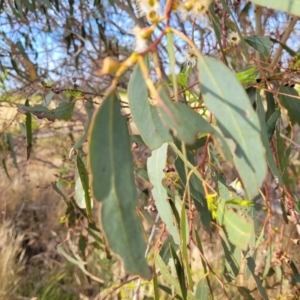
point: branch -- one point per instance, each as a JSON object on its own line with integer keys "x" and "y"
{"x": 283, "y": 40}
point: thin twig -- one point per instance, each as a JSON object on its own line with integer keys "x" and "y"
{"x": 116, "y": 288}
{"x": 283, "y": 40}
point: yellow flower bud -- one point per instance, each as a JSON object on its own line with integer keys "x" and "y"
{"x": 146, "y": 32}
{"x": 189, "y": 5}
{"x": 153, "y": 17}
{"x": 109, "y": 66}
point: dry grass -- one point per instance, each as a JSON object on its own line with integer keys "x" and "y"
{"x": 10, "y": 246}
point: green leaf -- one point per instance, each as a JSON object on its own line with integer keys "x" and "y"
{"x": 166, "y": 274}
{"x": 183, "y": 121}
{"x": 245, "y": 293}
{"x": 290, "y": 103}
{"x": 290, "y": 51}
{"x": 155, "y": 165}
{"x": 268, "y": 261}
{"x": 271, "y": 105}
{"x": 145, "y": 116}
{"x": 202, "y": 289}
{"x": 171, "y": 55}
{"x": 238, "y": 228}
{"x": 187, "y": 124}
{"x": 184, "y": 231}
{"x": 155, "y": 284}
{"x": 251, "y": 266}
{"x": 29, "y": 6}
{"x": 28, "y": 126}
{"x": 164, "y": 252}
{"x": 95, "y": 233}
{"x": 169, "y": 278}
{"x": 84, "y": 178}
{"x": 48, "y": 98}
{"x": 79, "y": 192}
{"x": 18, "y": 4}
{"x": 265, "y": 139}
{"x": 196, "y": 189}
{"x": 77, "y": 262}
{"x": 199, "y": 245}
{"x": 284, "y": 153}
{"x": 5, "y": 168}
{"x": 58, "y": 191}
{"x": 260, "y": 43}
{"x": 64, "y": 111}
{"x": 271, "y": 123}
{"x": 227, "y": 100}
{"x": 232, "y": 257}
{"x": 169, "y": 291}
{"x": 183, "y": 76}
{"x": 289, "y": 6}
{"x": 180, "y": 272}
{"x": 15, "y": 66}
{"x": 112, "y": 183}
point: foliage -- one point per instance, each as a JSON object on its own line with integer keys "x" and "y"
{"x": 213, "y": 212}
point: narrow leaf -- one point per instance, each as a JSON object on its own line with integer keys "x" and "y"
{"x": 180, "y": 273}
{"x": 251, "y": 266}
{"x": 79, "y": 192}
{"x": 232, "y": 256}
{"x": 171, "y": 54}
{"x": 196, "y": 189}
{"x": 265, "y": 139}
{"x": 48, "y": 98}
{"x": 77, "y": 262}
{"x": 155, "y": 284}
{"x": 155, "y": 165}
{"x": 290, "y": 51}
{"x": 169, "y": 278}
{"x": 112, "y": 183}
{"x": 271, "y": 123}
{"x": 245, "y": 293}
{"x": 57, "y": 189}
{"x": 291, "y": 103}
{"x": 64, "y": 111}
{"x": 164, "y": 252}
{"x": 5, "y": 168}
{"x": 28, "y": 126}
{"x": 260, "y": 43}
{"x": 84, "y": 178}
{"x": 184, "y": 230}
{"x": 271, "y": 105}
